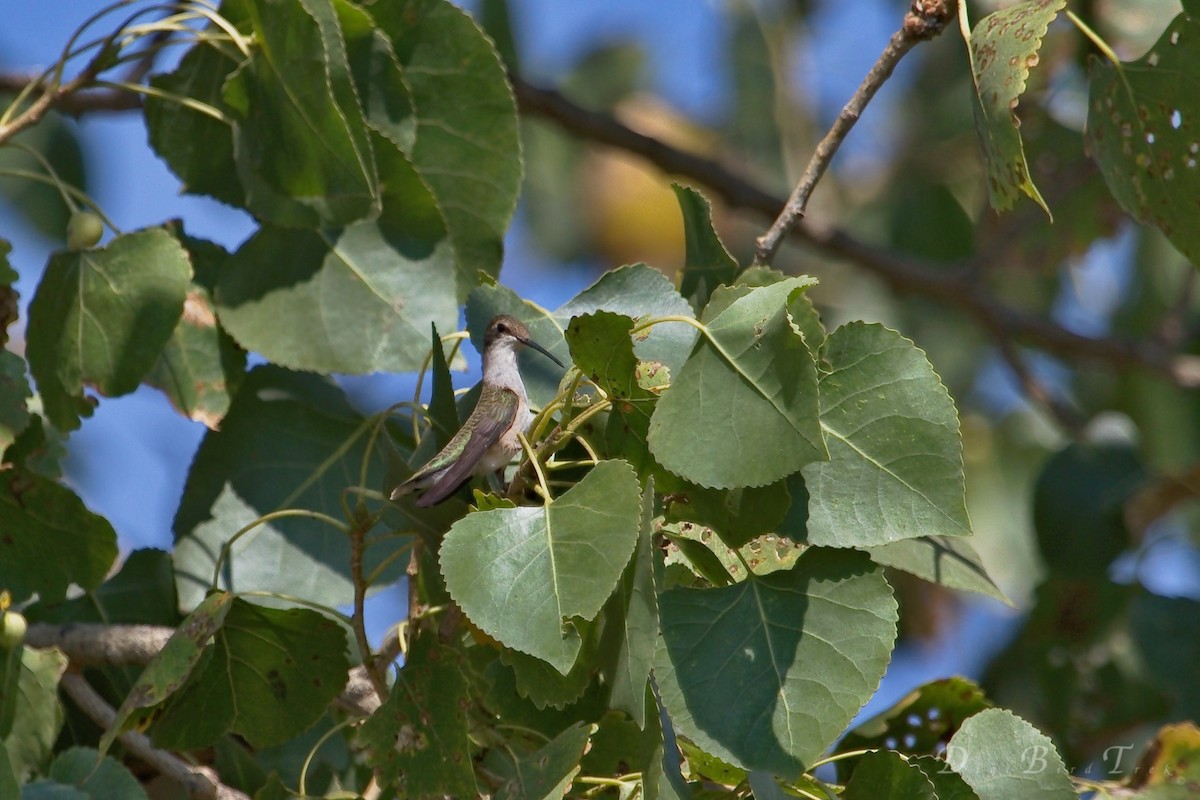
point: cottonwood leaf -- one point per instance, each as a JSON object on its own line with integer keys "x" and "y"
{"x": 50, "y": 539}
{"x": 1004, "y": 47}
{"x": 547, "y": 773}
{"x": 895, "y": 455}
{"x": 736, "y": 665}
{"x": 522, "y": 574}
{"x": 1001, "y": 756}
{"x": 1142, "y": 130}
{"x": 947, "y": 560}
{"x": 743, "y": 410}
{"x": 706, "y": 264}
{"x": 886, "y": 773}
{"x": 101, "y": 317}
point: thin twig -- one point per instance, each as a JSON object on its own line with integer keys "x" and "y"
{"x": 201, "y": 783}
{"x": 925, "y": 20}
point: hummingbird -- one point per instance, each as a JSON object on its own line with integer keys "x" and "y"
{"x": 487, "y": 441}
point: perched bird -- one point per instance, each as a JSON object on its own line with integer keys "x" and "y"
{"x": 487, "y": 441}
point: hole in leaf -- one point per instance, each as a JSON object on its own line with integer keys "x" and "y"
{"x": 1176, "y": 119}
{"x": 1152, "y": 60}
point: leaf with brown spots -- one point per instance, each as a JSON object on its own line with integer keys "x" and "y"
{"x": 1003, "y": 48}
{"x": 1142, "y": 131}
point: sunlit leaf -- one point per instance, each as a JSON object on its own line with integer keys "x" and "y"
{"x": 1001, "y": 756}
{"x": 885, "y": 773}
{"x": 37, "y": 713}
{"x": 895, "y": 456}
{"x": 743, "y": 410}
{"x": 522, "y": 574}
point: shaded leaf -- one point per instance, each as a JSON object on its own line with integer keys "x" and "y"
{"x": 921, "y": 723}
{"x": 543, "y": 685}
{"x": 547, "y": 773}
{"x": 522, "y": 574}
{"x": 289, "y": 441}
{"x": 142, "y": 592}
{"x": 743, "y": 410}
{"x": 1001, "y": 756}
{"x": 1003, "y": 48}
{"x": 1165, "y": 630}
{"x": 1142, "y": 130}
{"x": 301, "y": 147}
{"x": 884, "y": 773}
{"x": 14, "y": 392}
{"x": 41, "y": 204}
{"x": 418, "y": 739}
{"x": 631, "y": 625}
{"x": 49, "y": 540}
{"x": 101, "y": 317}
{"x": 171, "y": 667}
{"x": 467, "y": 147}
{"x": 736, "y": 665}
{"x": 895, "y": 455}
{"x": 272, "y": 674}
{"x": 707, "y": 264}
{"x": 196, "y": 146}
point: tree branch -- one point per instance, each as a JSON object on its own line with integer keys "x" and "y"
{"x": 201, "y": 783}
{"x": 950, "y": 285}
{"x": 925, "y": 20}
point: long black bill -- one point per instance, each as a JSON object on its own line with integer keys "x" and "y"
{"x": 543, "y": 351}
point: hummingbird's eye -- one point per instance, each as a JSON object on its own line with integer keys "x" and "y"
{"x": 501, "y": 328}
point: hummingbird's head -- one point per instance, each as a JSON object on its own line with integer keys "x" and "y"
{"x": 504, "y": 327}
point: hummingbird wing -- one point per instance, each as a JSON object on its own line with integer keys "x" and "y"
{"x": 492, "y": 418}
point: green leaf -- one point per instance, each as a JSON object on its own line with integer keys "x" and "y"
{"x": 523, "y": 574}
{"x": 40, "y": 449}
{"x": 1142, "y": 131}
{"x": 737, "y": 515}
{"x": 14, "y": 392}
{"x": 272, "y": 674}
{"x": 547, "y": 773}
{"x": 171, "y": 667}
{"x": 640, "y": 292}
{"x": 302, "y": 149}
{"x": 743, "y": 410}
{"x": 467, "y": 147}
{"x": 736, "y": 665}
{"x": 196, "y": 146}
{"x": 142, "y": 592}
{"x": 948, "y": 784}
{"x": 378, "y": 78}
{"x": 50, "y": 540}
{"x": 921, "y": 723}
{"x": 631, "y": 625}
{"x": 543, "y": 685}
{"x": 888, "y": 774}
{"x": 101, "y": 317}
{"x": 289, "y": 441}
{"x": 1002, "y": 756}
{"x": 97, "y": 777}
{"x": 355, "y": 300}
{"x": 418, "y": 739}
{"x": 443, "y": 412}
{"x": 950, "y": 561}
{"x": 895, "y": 456}
{"x": 707, "y": 264}
{"x": 1003, "y": 48}
{"x": 38, "y": 716}
{"x": 201, "y": 367}
{"x": 8, "y": 778}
